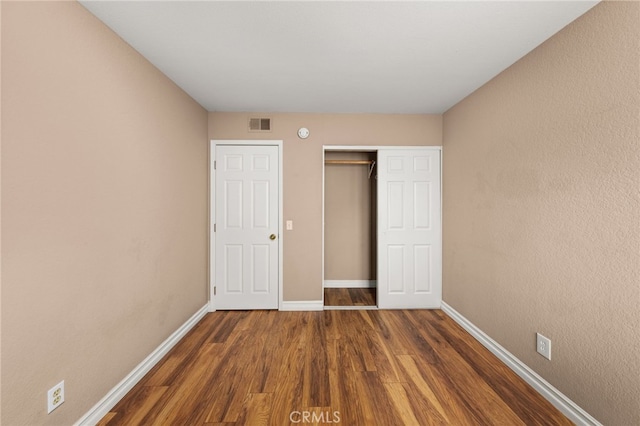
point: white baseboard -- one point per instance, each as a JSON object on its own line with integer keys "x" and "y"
{"x": 351, "y": 308}
{"x": 350, "y": 283}
{"x": 98, "y": 411}
{"x": 544, "y": 388}
{"x": 302, "y": 305}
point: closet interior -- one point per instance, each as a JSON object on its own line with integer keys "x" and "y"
{"x": 350, "y": 229}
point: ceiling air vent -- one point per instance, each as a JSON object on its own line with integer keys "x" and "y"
{"x": 259, "y": 124}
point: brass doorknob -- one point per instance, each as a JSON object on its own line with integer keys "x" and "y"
{"x": 272, "y": 236}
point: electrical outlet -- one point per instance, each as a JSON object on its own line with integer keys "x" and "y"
{"x": 543, "y": 346}
{"x": 55, "y": 397}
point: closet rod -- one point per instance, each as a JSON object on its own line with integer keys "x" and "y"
{"x": 348, "y": 161}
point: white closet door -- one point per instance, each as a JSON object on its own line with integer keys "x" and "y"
{"x": 246, "y": 247}
{"x": 409, "y": 229}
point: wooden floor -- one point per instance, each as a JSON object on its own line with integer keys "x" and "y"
{"x": 349, "y": 297}
{"x": 359, "y": 367}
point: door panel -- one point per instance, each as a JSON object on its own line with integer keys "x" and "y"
{"x": 246, "y": 259}
{"x": 409, "y": 234}
{"x": 233, "y": 268}
{"x": 260, "y": 268}
{"x": 395, "y": 269}
{"x": 422, "y": 267}
{"x": 395, "y": 205}
{"x": 233, "y": 200}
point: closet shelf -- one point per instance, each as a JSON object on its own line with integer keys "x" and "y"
{"x": 348, "y": 162}
{"x": 370, "y": 163}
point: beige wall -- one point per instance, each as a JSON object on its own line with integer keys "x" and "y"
{"x": 303, "y": 162}
{"x": 542, "y": 210}
{"x": 349, "y": 218}
{"x": 104, "y": 209}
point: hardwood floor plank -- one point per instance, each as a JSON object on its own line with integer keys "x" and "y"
{"x": 339, "y": 297}
{"x": 397, "y": 335}
{"x": 358, "y": 355}
{"x": 136, "y": 408}
{"x": 227, "y": 326}
{"x": 346, "y": 398}
{"x": 331, "y": 325}
{"x": 177, "y": 404}
{"x": 106, "y": 419}
{"x": 334, "y": 373}
{"x": 287, "y": 395}
{"x": 363, "y": 296}
{"x": 423, "y": 408}
{"x": 316, "y": 391}
{"x": 385, "y": 362}
{"x": 329, "y": 297}
{"x": 256, "y": 410}
{"x": 243, "y": 377}
{"x": 350, "y": 297}
{"x": 436, "y": 391}
{"x": 378, "y": 407}
{"x": 290, "y": 328}
{"x": 262, "y": 324}
{"x": 400, "y": 400}
{"x": 182, "y": 356}
{"x": 370, "y": 367}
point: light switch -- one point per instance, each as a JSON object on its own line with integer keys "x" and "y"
{"x": 289, "y": 225}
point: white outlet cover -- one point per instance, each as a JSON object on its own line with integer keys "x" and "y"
{"x": 55, "y": 392}
{"x": 543, "y": 346}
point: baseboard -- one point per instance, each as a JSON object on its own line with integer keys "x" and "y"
{"x": 95, "y": 414}
{"x": 302, "y": 305}
{"x": 350, "y": 283}
{"x": 544, "y": 388}
{"x": 351, "y": 308}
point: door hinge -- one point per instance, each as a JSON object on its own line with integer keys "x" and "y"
{"x": 214, "y": 164}
{"x": 214, "y": 227}
{"x": 214, "y": 290}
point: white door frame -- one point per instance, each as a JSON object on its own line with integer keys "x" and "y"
{"x": 369, "y": 148}
{"x": 212, "y": 211}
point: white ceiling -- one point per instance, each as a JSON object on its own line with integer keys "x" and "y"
{"x": 308, "y": 56}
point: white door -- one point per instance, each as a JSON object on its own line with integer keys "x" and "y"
{"x": 409, "y": 229}
{"x": 246, "y": 234}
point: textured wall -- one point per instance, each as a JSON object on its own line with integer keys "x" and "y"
{"x": 303, "y": 163}
{"x": 542, "y": 210}
{"x": 104, "y": 209}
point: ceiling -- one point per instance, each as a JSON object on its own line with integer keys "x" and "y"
{"x": 340, "y": 57}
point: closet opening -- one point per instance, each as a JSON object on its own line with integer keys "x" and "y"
{"x": 350, "y": 223}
